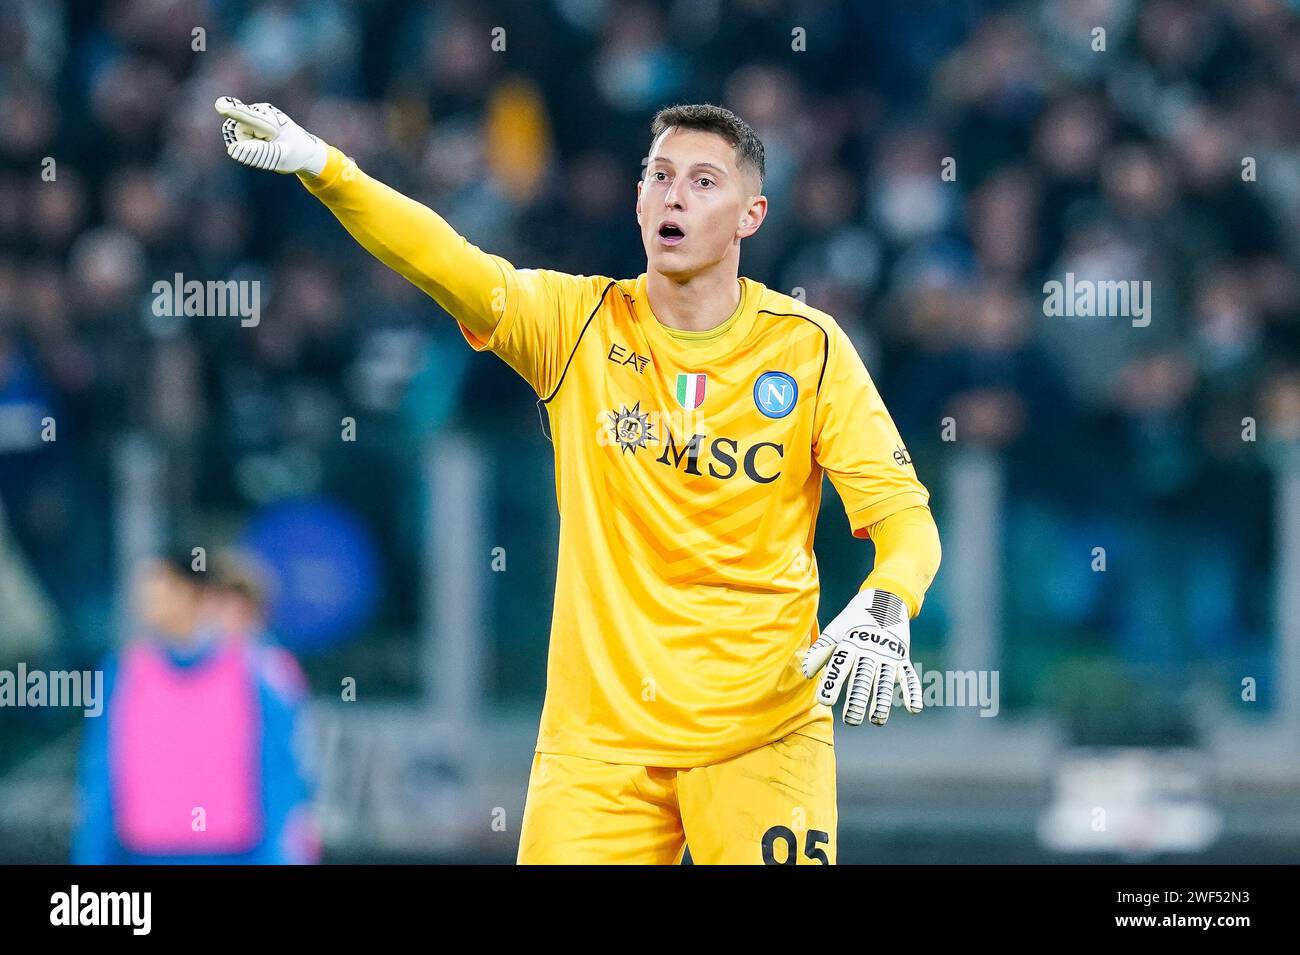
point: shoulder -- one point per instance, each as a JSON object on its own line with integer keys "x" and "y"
{"x": 568, "y": 284}
{"x": 628, "y": 288}
{"x": 774, "y": 306}
{"x": 278, "y": 672}
{"x": 790, "y": 319}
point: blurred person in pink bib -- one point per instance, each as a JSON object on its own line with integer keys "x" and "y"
{"x": 194, "y": 758}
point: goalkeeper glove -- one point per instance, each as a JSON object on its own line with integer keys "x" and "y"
{"x": 262, "y": 137}
{"x": 866, "y": 646}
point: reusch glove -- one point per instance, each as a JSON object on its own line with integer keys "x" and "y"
{"x": 261, "y": 137}
{"x": 866, "y": 647}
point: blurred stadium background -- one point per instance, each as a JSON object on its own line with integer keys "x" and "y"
{"x": 418, "y": 559}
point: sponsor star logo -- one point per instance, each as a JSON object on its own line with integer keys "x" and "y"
{"x": 631, "y": 428}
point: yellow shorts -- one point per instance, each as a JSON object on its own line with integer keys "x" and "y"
{"x": 774, "y": 805}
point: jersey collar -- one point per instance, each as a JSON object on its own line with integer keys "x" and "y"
{"x": 695, "y": 352}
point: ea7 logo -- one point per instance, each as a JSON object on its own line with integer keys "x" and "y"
{"x": 621, "y": 355}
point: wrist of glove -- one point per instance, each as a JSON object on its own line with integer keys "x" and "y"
{"x": 260, "y": 136}
{"x": 867, "y": 649}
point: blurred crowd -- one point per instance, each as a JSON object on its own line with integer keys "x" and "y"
{"x": 1166, "y": 149}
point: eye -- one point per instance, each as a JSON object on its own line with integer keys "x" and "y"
{"x": 706, "y": 182}
{"x": 659, "y": 176}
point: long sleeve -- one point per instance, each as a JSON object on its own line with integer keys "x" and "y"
{"x": 93, "y": 838}
{"x": 290, "y": 834}
{"x": 857, "y": 444}
{"x": 415, "y": 241}
{"x": 907, "y": 555}
{"x": 532, "y": 318}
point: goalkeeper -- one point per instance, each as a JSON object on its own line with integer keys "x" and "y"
{"x": 693, "y": 413}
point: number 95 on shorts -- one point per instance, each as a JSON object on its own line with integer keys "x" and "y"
{"x": 774, "y": 805}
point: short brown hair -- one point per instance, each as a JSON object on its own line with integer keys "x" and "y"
{"x": 720, "y": 121}
{"x": 240, "y": 574}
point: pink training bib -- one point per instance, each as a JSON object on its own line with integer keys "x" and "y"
{"x": 183, "y": 739}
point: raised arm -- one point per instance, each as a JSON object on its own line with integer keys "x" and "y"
{"x": 472, "y": 285}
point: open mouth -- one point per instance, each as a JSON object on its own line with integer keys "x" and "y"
{"x": 670, "y": 233}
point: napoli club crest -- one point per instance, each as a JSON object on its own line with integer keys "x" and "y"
{"x": 775, "y": 393}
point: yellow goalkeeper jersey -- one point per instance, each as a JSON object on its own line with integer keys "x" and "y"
{"x": 688, "y": 474}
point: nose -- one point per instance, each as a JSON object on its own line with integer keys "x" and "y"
{"x": 672, "y": 198}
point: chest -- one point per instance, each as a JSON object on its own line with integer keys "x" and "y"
{"x": 734, "y": 413}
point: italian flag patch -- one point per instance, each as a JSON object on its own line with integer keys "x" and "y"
{"x": 690, "y": 391}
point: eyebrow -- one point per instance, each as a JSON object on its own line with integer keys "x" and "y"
{"x": 698, "y": 165}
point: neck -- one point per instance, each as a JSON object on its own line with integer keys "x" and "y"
{"x": 185, "y": 636}
{"x": 697, "y": 304}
